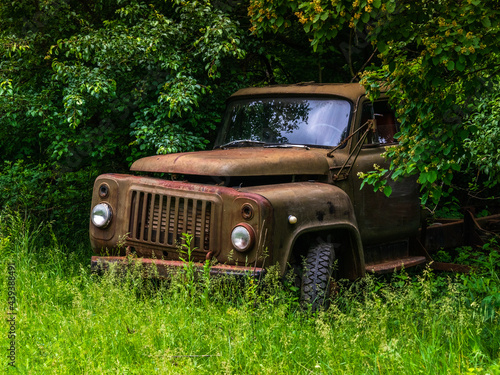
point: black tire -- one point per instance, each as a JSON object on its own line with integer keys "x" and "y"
{"x": 316, "y": 277}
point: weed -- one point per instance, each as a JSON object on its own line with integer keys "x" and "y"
{"x": 186, "y": 249}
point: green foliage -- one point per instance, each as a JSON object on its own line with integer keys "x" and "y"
{"x": 186, "y": 249}
{"x": 439, "y": 62}
{"x": 483, "y": 284}
{"x": 372, "y": 178}
{"x": 73, "y": 322}
{"x": 435, "y": 75}
{"x": 48, "y": 193}
{"x": 90, "y": 87}
{"x": 79, "y": 89}
{"x": 483, "y": 144}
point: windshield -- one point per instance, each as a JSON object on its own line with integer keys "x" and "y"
{"x": 301, "y": 121}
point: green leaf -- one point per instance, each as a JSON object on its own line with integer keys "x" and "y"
{"x": 436, "y": 194}
{"x": 422, "y": 178}
{"x": 448, "y": 149}
{"x": 382, "y": 46}
{"x": 391, "y": 6}
{"x": 418, "y": 150}
{"x": 432, "y": 176}
{"x": 318, "y": 35}
{"x": 387, "y": 190}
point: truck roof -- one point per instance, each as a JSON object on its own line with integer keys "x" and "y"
{"x": 351, "y": 91}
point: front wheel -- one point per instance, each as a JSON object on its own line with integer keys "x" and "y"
{"x": 316, "y": 282}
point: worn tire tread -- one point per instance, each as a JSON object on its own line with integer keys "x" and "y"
{"x": 318, "y": 266}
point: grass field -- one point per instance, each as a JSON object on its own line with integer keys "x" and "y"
{"x": 69, "y": 321}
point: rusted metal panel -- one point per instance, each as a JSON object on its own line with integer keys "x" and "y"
{"x": 382, "y": 219}
{"x": 254, "y": 161}
{"x": 439, "y": 236}
{"x": 318, "y": 208}
{"x": 395, "y": 264}
{"x": 478, "y": 229}
{"x": 447, "y": 234}
{"x": 164, "y": 268}
{"x": 450, "y": 267}
{"x": 351, "y": 91}
{"x": 398, "y": 264}
{"x": 451, "y": 234}
{"x": 156, "y": 231}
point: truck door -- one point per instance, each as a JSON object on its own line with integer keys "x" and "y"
{"x": 380, "y": 218}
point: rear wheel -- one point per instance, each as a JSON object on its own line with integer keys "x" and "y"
{"x": 316, "y": 282}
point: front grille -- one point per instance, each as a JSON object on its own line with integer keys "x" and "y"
{"x": 162, "y": 219}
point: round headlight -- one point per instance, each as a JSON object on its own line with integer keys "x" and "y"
{"x": 242, "y": 237}
{"x": 101, "y": 215}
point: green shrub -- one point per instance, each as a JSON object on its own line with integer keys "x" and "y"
{"x": 49, "y": 194}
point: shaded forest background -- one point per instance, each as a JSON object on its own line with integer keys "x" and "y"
{"x": 88, "y": 87}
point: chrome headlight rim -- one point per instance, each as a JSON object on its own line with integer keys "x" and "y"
{"x": 242, "y": 237}
{"x": 101, "y": 215}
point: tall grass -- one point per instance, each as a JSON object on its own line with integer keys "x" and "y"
{"x": 72, "y": 322}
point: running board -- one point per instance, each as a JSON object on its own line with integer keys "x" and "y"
{"x": 395, "y": 265}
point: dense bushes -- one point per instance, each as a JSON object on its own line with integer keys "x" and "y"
{"x": 87, "y": 88}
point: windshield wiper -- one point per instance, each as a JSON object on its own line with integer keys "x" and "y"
{"x": 286, "y": 145}
{"x": 241, "y": 143}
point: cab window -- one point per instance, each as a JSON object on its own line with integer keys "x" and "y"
{"x": 387, "y": 125}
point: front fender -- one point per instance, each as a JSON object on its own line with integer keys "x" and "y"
{"x": 320, "y": 209}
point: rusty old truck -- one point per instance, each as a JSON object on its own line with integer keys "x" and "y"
{"x": 280, "y": 187}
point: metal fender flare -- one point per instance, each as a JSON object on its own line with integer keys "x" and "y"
{"x": 347, "y": 240}
{"x": 306, "y": 210}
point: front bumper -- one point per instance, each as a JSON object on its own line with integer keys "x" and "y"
{"x": 165, "y": 268}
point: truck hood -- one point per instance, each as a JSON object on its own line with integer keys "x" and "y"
{"x": 252, "y": 161}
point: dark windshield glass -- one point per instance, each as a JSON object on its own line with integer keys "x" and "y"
{"x": 313, "y": 122}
